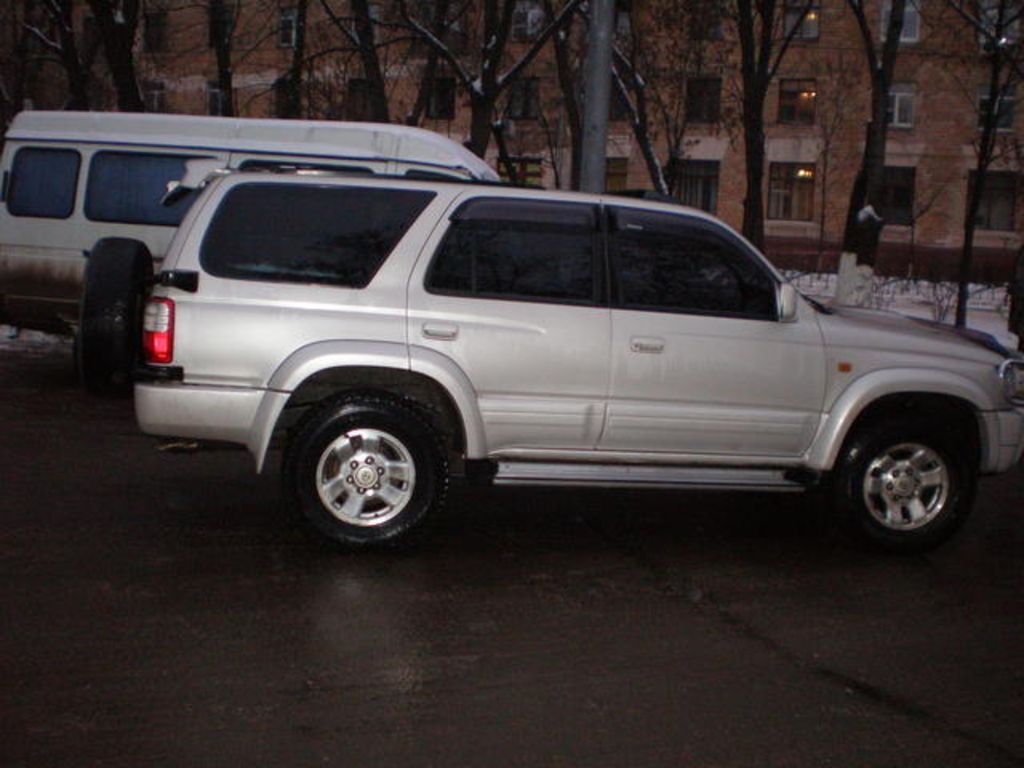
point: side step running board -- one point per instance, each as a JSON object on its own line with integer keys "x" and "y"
{"x": 618, "y": 475}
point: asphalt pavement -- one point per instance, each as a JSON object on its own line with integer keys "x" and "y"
{"x": 160, "y": 609}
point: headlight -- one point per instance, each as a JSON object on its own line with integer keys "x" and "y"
{"x": 1012, "y": 374}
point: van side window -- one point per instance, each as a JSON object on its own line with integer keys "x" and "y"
{"x": 43, "y": 183}
{"x": 126, "y": 188}
{"x": 519, "y": 250}
{"x": 303, "y": 234}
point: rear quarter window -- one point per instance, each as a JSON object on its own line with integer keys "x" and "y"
{"x": 308, "y": 234}
{"x": 43, "y": 183}
{"x": 126, "y": 188}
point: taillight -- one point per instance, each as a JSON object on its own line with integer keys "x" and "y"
{"x": 158, "y": 331}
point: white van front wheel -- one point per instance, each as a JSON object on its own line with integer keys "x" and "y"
{"x": 110, "y": 314}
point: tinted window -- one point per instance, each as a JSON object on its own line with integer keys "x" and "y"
{"x": 43, "y": 183}
{"x": 663, "y": 263}
{"x": 127, "y": 187}
{"x": 285, "y": 166}
{"x": 308, "y": 234}
{"x": 518, "y": 250}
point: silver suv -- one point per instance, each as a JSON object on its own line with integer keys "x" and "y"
{"x": 392, "y": 333}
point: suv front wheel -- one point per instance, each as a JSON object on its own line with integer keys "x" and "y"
{"x": 365, "y": 469}
{"x": 905, "y": 484}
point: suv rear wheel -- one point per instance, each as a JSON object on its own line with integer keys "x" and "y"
{"x": 906, "y": 485}
{"x": 110, "y": 315}
{"x": 365, "y": 469}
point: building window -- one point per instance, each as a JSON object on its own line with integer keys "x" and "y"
{"x": 704, "y": 99}
{"x": 898, "y": 196}
{"x": 154, "y": 32}
{"x": 1000, "y": 21}
{"x": 441, "y": 100}
{"x": 900, "y": 109}
{"x": 357, "y": 99}
{"x": 796, "y": 101}
{"x": 287, "y": 27}
{"x": 911, "y": 31}
{"x": 222, "y": 23}
{"x": 623, "y": 18}
{"x": 807, "y": 25}
{"x": 1004, "y": 110}
{"x": 695, "y": 183}
{"x": 527, "y": 20}
{"x": 154, "y": 95}
{"x": 523, "y": 99}
{"x": 528, "y": 170}
{"x": 705, "y": 20}
{"x": 998, "y": 200}
{"x": 791, "y": 192}
{"x": 216, "y": 99}
{"x": 616, "y": 174}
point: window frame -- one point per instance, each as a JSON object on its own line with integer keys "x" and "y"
{"x": 985, "y": 204}
{"x": 910, "y": 10}
{"x": 287, "y": 27}
{"x": 1006, "y": 111}
{"x": 507, "y": 210}
{"x": 792, "y": 10}
{"x": 691, "y": 226}
{"x": 523, "y": 101}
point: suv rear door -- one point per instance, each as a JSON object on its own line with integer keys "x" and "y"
{"x": 699, "y": 362}
{"x": 513, "y": 295}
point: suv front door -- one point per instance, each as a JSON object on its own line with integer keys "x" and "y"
{"x": 700, "y": 363}
{"x": 513, "y": 296}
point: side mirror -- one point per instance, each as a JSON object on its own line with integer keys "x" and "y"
{"x": 789, "y": 300}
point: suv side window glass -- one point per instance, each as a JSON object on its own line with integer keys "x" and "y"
{"x": 665, "y": 263}
{"x": 520, "y": 250}
{"x": 308, "y": 234}
{"x": 43, "y": 183}
{"x": 126, "y": 187}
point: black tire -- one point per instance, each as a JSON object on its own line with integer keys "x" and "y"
{"x": 904, "y": 484}
{"x": 110, "y": 315}
{"x": 344, "y": 469}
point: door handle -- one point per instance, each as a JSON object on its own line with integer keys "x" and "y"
{"x": 440, "y": 331}
{"x": 647, "y": 345}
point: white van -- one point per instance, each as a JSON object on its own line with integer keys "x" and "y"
{"x": 71, "y": 178}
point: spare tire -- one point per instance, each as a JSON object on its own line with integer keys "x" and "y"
{"x": 110, "y": 315}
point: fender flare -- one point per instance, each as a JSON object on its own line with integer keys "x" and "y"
{"x": 320, "y": 356}
{"x": 837, "y": 423}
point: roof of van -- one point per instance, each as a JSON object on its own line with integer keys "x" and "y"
{"x": 369, "y": 141}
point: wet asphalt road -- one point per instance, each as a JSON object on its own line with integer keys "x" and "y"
{"x": 159, "y": 610}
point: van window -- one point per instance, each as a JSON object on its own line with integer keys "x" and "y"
{"x": 286, "y": 166}
{"x": 126, "y": 187}
{"x": 43, "y": 183}
{"x": 306, "y": 234}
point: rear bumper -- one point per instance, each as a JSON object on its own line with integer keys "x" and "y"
{"x": 200, "y": 412}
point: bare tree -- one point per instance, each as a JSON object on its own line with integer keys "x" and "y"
{"x": 15, "y": 59}
{"x": 59, "y": 38}
{"x": 486, "y": 84}
{"x": 996, "y": 24}
{"x": 863, "y": 224}
{"x": 118, "y": 22}
{"x": 765, "y": 29}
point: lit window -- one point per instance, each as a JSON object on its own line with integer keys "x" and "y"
{"x": 796, "y": 101}
{"x": 807, "y": 25}
{"x": 791, "y": 192}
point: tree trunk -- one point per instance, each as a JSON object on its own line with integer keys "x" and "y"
{"x": 753, "y": 139}
{"x": 118, "y": 36}
{"x": 482, "y": 114}
{"x": 291, "y": 106}
{"x": 378, "y": 95}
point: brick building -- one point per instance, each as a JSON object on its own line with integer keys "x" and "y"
{"x": 815, "y": 111}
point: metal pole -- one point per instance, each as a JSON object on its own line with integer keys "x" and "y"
{"x": 597, "y": 80}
